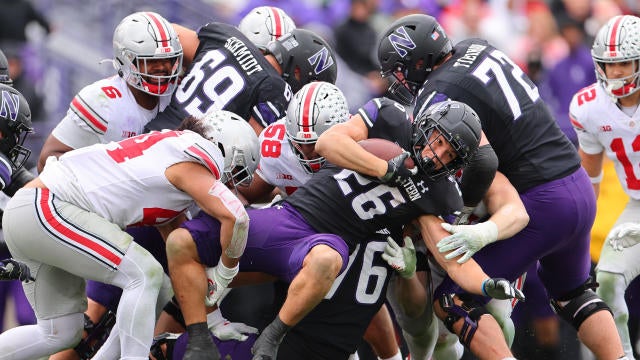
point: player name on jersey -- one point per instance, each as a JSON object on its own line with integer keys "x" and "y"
{"x": 246, "y": 60}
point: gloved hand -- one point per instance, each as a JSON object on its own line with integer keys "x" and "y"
{"x": 501, "y": 289}
{"x": 225, "y": 330}
{"x": 14, "y": 270}
{"x": 624, "y": 235}
{"x": 463, "y": 217}
{"x": 467, "y": 239}
{"x": 401, "y": 259}
{"x": 218, "y": 278}
{"x": 397, "y": 172}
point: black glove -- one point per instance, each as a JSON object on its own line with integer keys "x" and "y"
{"x": 397, "y": 172}
{"x": 14, "y": 270}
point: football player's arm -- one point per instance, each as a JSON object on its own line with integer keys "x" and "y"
{"x": 468, "y": 275}
{"x": 339, "y": 145}
{"x": 52, "y": 147}
{"x": 214, "y": 198}
{"x": 593, "y": 164}
{"x": 258, "y": 191}
{"x": 505, "y": 206}
{"x": 189, "y": 41}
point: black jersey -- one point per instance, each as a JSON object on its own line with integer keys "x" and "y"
{"x": 354, "y": 206}
{"x": 334, "y": 328}
{"x": 227, "y": 73}
{"x": 530, "y": 146}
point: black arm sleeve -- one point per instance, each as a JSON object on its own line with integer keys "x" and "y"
{"x": 478, "y": 175}
{"x": 18, "y": 180}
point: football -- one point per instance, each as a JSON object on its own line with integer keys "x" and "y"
{"x": 385, "y": 150}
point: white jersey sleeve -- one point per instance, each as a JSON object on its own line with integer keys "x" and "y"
{"x": 104, "y": 111}
{"x": 279, "y": 165}
{"x": 125, "y": 181}
{"x": 602, "y": 126}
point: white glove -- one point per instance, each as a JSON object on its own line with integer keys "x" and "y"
{"x": 218, "y": 278}
{"x": 401, "y": 259}
{"x": 624, "y": 235}
{"x": 501, "y": 289}
{"x": 225, "y": 330}
{"x": 467, "y": 239}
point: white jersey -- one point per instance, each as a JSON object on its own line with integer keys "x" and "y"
{"x": 279, "y": 165}
{"x": 602, "y": 126}
{"x": 125, "y": 181}
{"x": 102, "y": 112}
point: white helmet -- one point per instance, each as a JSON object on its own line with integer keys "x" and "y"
{"x": 315, "y": 108}
{"x": 144, "y": 36}
{"x": 264, "y": 24}
{"x": 617, "y": 41}
{"x": 237, "y": 141}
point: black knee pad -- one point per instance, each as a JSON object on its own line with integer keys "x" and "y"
{"x": 470, "y": 311}
{"x": 96, "y": 334}
{"x": 582, "y": 303}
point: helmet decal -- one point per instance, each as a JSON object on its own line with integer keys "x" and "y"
{"x": 401, "y": 41}
{"x": 10, "y": 106}
{"x": 321, "y": 60}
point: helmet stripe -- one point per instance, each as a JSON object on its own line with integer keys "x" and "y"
{"x": 306, "y": 116}
{"x": 615, "y": 34}
{"x": 276, "y": 22}
{"x": 159, "y": 28}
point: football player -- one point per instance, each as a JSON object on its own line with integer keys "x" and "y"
{"x": 69, "y": 228}
{"x": 147, "y": 58}
{"x": 533, "y": 154}
{"x": 605, "y": 116}
{"x": 306, "y": 239}
{"x": 227, "y": 71}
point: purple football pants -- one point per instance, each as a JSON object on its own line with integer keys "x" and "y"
{"x": 561, "y": 214}
{"x": 279, "y": 239}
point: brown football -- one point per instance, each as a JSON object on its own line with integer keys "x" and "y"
{"x": 385, "y": 150}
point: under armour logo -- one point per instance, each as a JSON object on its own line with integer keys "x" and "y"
{"x": 423, "y": 189}
{"x": 10, "y": 105}
{"x": 401, "y": 41}
{"x": 321, "y": 60}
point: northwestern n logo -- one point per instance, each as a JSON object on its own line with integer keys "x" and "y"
{"x": 10, "y": 105}
{"x": 401, "y": 41}
{"x": 321, "y": 60}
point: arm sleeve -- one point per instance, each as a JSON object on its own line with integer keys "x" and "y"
{"x": 478, "y": 175}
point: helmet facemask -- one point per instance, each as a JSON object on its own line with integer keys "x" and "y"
{"x": 12, "y": 145}
{"x": 460, "y": 128}
{"x": 236, "y": 171}
{"x": 157, "y": 85}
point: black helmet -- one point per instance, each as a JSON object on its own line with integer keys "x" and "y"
{"x": 412, "y": 45}
{"x": 15, "y": 124}
{"x": 4, "y": 70}
{"x": 308, "y": 53}
{"x": 458, "y": 124}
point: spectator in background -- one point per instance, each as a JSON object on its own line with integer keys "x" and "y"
{"x": 569, "y": 75}
{"x": 356, "y": 43}
{"x": 14, "y": 18}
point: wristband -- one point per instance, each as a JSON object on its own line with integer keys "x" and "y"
{"x": 484, "y": 292}
{"x": 597, "y": 179}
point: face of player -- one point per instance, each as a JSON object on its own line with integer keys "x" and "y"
{"x": 307, "y": 150}
{"x": 439, "y": 149}
{"x": 620, "y": 70}
{"x": 160, "y": 68}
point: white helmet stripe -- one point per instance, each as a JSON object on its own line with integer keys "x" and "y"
{"x": 305, "y": 122}
{"x": 159, "y": 28}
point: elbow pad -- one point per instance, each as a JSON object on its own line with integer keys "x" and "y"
{"x": 241, "y": 226}
{"x": 478, "y": 175}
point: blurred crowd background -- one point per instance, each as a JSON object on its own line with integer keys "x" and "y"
{"x": 56, "y": 47}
